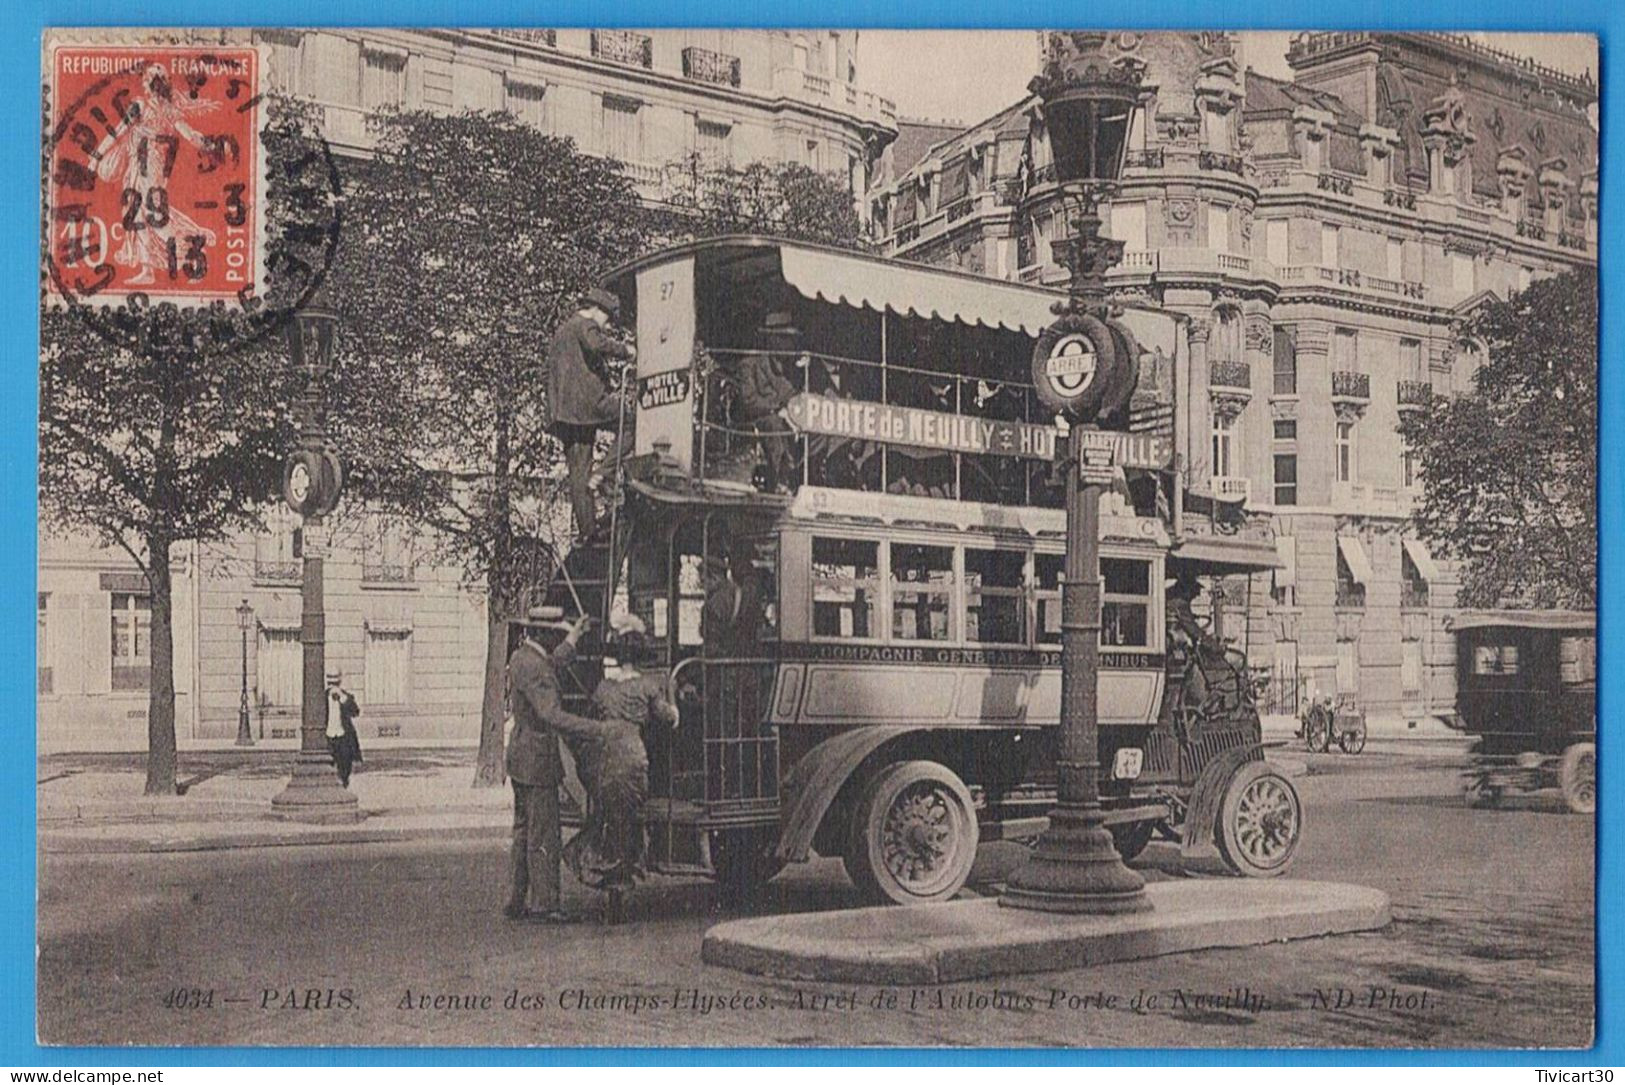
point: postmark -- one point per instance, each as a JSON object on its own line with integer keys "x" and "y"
{"x": 182, "y": 212}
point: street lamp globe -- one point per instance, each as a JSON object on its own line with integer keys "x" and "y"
{"x": 245, "y": 616}
{"x": 312, "y": 334}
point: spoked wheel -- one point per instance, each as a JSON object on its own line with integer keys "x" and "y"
{"x": 913, "y": 837}
{"x": 1260, "y": 821}
{"x": 743, "y": 859}
{"x": 1131, "y": 838}
{"x": 1578, "y": 776}
{"x": 1353, "y": 739}
{"x": 1317, "y": 729}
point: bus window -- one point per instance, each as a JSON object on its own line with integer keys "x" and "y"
{"x": 1485, "y": 659}
{"x": 690, "y": 600}
{"x": 846, "y": 586}
{"x": 995, "y": 596}
{"x": 922, "y": 591}
{"x": 1577, "y": 659}
{"x": 1125, "y": 612}
{"x": 1047, "y": 577}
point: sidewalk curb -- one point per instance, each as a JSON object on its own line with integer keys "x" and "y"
{"x": 69, "y": 843}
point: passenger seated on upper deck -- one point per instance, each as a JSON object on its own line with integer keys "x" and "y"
{"x": 763, "y": 392}
{"x": 841, "y": 461}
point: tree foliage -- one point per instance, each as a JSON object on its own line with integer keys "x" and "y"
{"x": 1509, "y": 467}
{"x": 782, "y": 199}
{"x": 469, "y": 238}
{"x": 179, "y": 433}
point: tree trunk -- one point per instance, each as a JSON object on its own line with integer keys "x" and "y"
{"x": 161, "y": 686}
{"x": 490, "y": 770}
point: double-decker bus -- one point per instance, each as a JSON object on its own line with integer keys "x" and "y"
{"x": 866, "y": 652}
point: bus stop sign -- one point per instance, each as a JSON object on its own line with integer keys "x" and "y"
{"x": 1083, "y": 369}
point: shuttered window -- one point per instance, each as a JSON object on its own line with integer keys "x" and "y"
{"x": 388, "y": 667}
{"x": 280, "y": 670}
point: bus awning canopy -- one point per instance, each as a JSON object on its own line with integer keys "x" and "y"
{"x": 1354, "y": 556}
{"x": 1227, "y": 555}
{"x": 1417, "y": 550}
{"x": 916, "y": 291}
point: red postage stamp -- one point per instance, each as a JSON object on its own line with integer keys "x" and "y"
{"x": 154, "y": 174}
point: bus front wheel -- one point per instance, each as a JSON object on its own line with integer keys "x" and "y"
{"x": 913, "y": 835}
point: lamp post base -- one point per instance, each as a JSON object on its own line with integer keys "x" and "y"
{"x": 1076, "y": 869}
{"x": 245, "y": 737}
{"x": 313, "y": 792}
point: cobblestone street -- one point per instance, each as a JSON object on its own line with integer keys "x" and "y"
{"x": 332, "y": 944}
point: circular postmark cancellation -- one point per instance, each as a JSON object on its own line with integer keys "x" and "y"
{"x": 182, "y": 215}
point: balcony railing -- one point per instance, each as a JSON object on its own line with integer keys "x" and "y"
{"x": 549, "y": 38}
{"x": 278, "y": 570}
{"x": 1394, "y": 197}
{"x": 1330, "y": 182}
{"x": 1350, "y": 595}
{"x": 624, "y": 47}
{"x": 1148, "y": 159}
{"x": 1218, "y": 160}
{"x": 1415, "y": 393}
{"x": 387, "y": 573}
{"x": 709, "y": 66}
{"x": 1571, "y": 241}
{"x": 1413, "y": 596}
{"x": 1532, "y": 230}
{"x": 1229, "y": 374}
{"x": 1347, "y": 384}
{"x": 1232, "y": 488}
{"x": 1394, "y": 286}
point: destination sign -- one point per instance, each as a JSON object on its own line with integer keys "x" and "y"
{"x": 939, "y": 431}
{"x": 663, "y": 389}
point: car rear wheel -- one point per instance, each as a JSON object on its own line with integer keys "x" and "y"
{"x": 913, "y": 836}
{"x": 1578, "y": 775}
{"x": 1260, "y": 821}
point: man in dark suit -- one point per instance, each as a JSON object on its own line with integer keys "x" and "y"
{"x": 579, "y": 402}
{"x": 534, "y": 764}
{"x": 763, "y": 393}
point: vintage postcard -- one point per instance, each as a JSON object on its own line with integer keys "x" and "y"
{"x": 790, "y": 538}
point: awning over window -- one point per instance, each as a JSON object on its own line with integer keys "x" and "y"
{"x": 1354, "y": 556}
{"x": 1286, "y": 549}
{"x": 916, "y": 291}
{"x": 1223, "y": 555}
{"x": 1418, "y": 553}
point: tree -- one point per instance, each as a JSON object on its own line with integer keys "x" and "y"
{"x": 1509, "y": 467}
{"x": 161, "y": 425}
{"x": 783, "y": 199}
{"x": 469, "y": 239}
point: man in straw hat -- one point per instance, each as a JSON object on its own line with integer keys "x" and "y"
{"x": 579, "y": 402}
{"x": 533, "y": 760}
{"x": 342, "y": 738}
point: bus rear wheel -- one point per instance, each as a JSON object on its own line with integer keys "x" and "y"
{"x": 913, "y": 835}
{"x": 1577, "y": 775}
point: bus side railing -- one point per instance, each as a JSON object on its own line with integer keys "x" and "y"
{"x": 739, "y": 750}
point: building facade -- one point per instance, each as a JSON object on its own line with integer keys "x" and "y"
{"x": 1327, "y": 235}
{"x": 409, "y": 635}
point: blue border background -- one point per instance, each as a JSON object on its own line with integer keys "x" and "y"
{"x": 19, "y": 321}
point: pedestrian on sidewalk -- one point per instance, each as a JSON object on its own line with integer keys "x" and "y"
{"x": 533, "y": 760}
{"x": 342, "y": 737}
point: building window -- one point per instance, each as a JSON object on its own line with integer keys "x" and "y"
{"x": 278, "y": 549}
{"x": 1345, "y": 452}
{"x": 280, "y": 669}
{"x": 1225, "y": 342}
{"x": 388, "y": 667}
{"x": 1275, "y": 242}
{"x": 922, "y": 584}
{"x": 846, "y": 588}
{"x": 1284, "y": 580}
{"x": 1461, "y": 272}
{"x": 1329, "y": 247}
{"x": 711, "y": 141}
{"x": 527, "y": 101}
{"x": 1413, "y": 586}
{"x": 1224, "y": 432}
{"x": 383, "y": 78}
{"x": 812, "y": 153}
{"x": 1346, "y": 351}
{"x": 1348, "y": 666}
{"x": 995, "y": 596}
{"x": 623, "y": 128}
{"x": 1410, "y": 667}
{"x": 1407, "y": 466}
{"x": 388, "y": 552}
{"x": 1286, "y": 429}
{"x": 1125, "y": 609}
{"x": 132, "y": 640}
{"x": 1350, "y": 591}
{"x": 1410, "y": 359}
{"x": 1218, "y": 227}
{"x": 1286, "y": 478}
{"x": 1286, "y": 363}
{"x": 42, "y": 646}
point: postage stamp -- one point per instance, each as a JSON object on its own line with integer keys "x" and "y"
{"x": 155, "y": 179}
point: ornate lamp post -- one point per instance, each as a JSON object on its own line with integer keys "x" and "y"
{"x": 311, "y": 482}
{"x": 245, "y": 619}
{"x": 1083, "y": 368}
